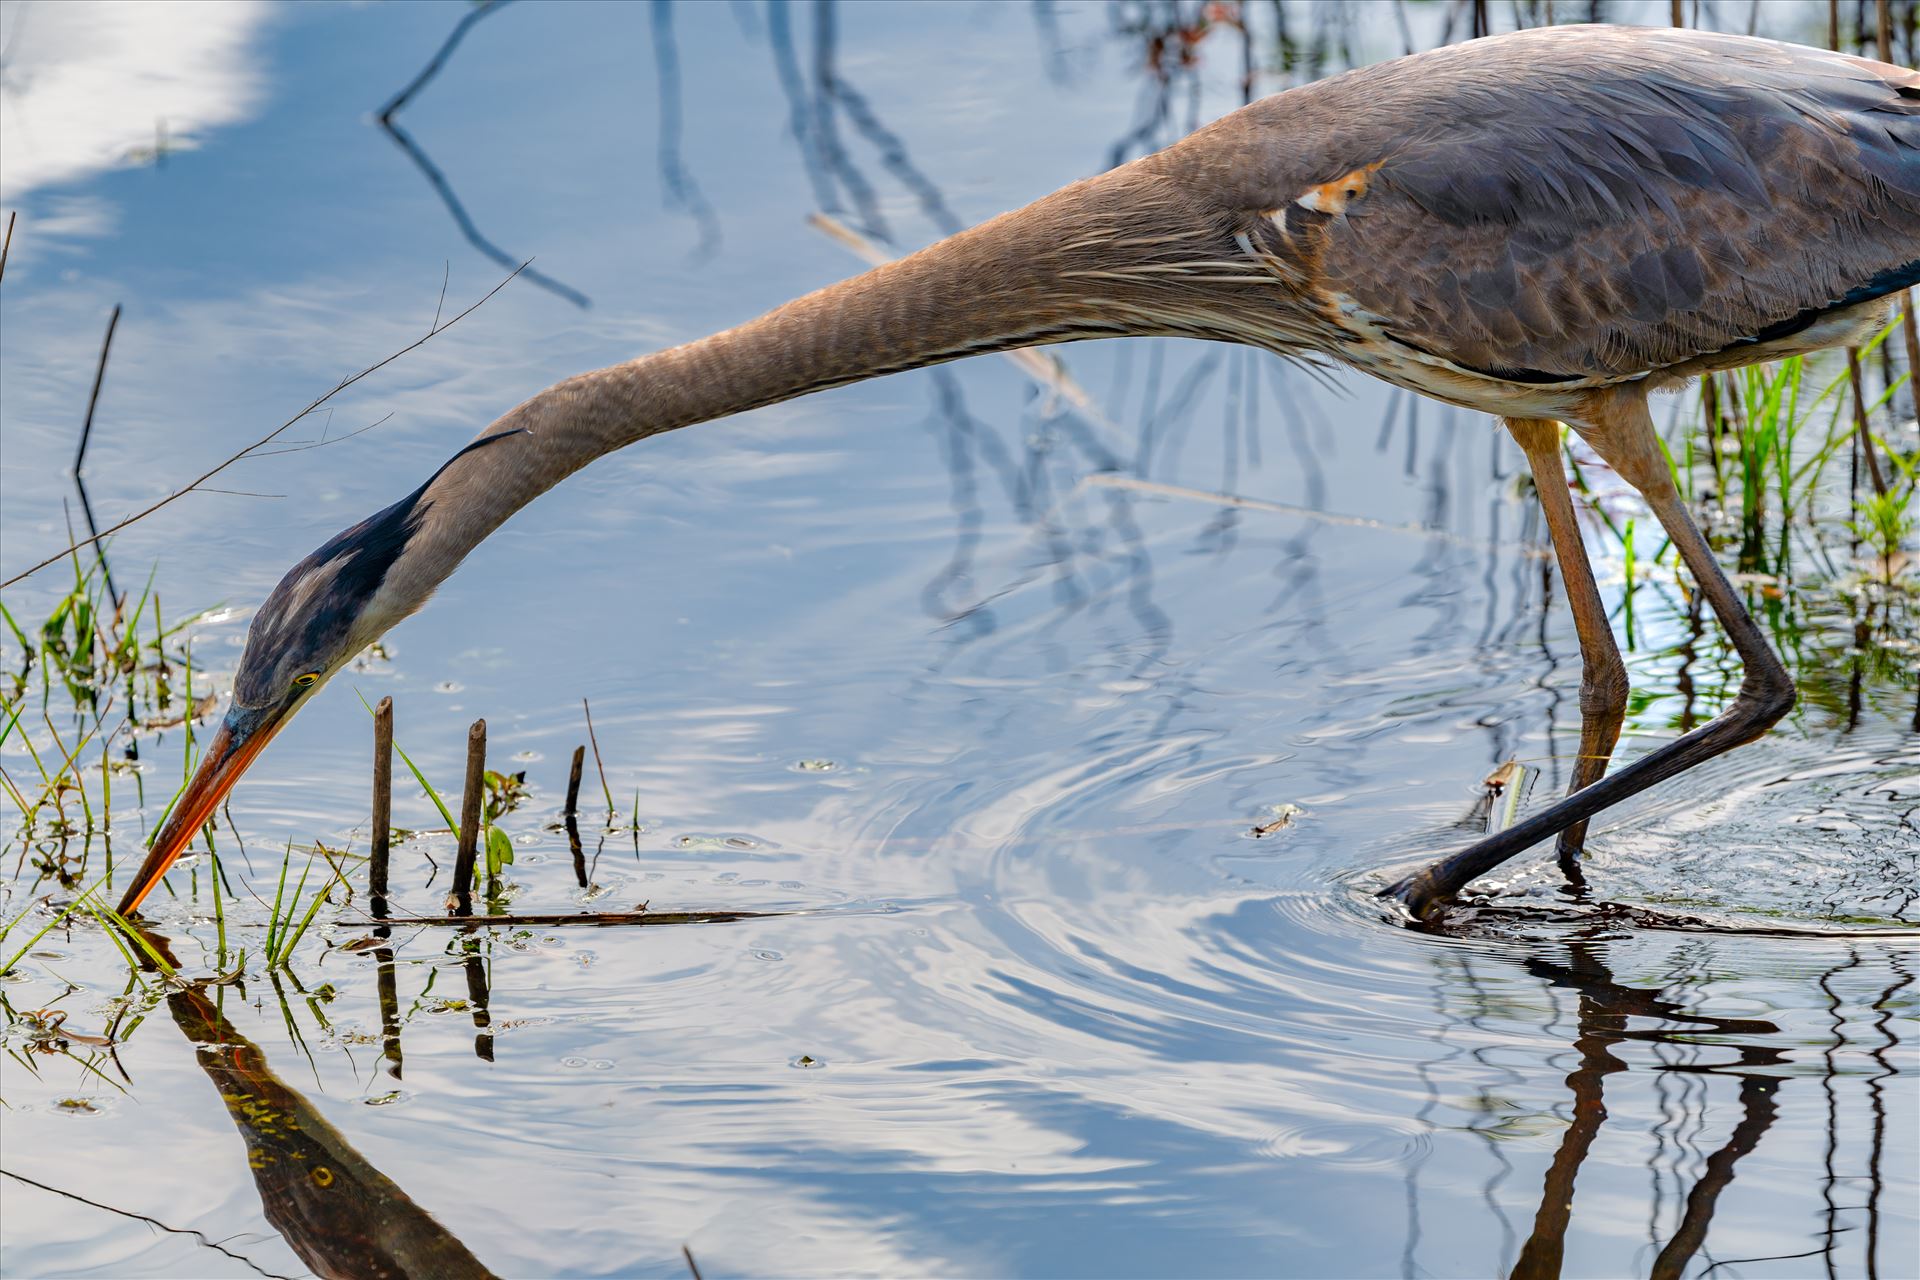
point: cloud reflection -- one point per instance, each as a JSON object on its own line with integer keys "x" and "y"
{"x": 88, "y": 87}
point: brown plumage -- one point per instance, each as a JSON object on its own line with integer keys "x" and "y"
{"x": 1580, "y": 203}
{"x": 1544, "y": 226}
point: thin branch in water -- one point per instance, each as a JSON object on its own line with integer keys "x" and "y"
{"x": 439, "y": 59}
{"x": 1865, "y": 434}
{"x": 787, "y": 67}
{"x": 152, "y": 1222}
{"x": 895, "y": 158}
{"x": 446, "y": 274}
{"x": 267, "y": 439}
{"x": 305, "y": 445}
{"x": 826, "y": 137}
{"x": 100, "y": 552}
{"x": 80, "y": 454}
{"x": 605, "y": 790}
{"x": 597, "y": 918}
{"x": 1113, "y": 480}
{"x": 438, "y": 180}
{"x": 93, "y": 398}
{"x": 682, "y": 190}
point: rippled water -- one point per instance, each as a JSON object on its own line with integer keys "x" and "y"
{"x": 930, "y": 668}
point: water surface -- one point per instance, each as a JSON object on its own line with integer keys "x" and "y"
{"x": 928, "y": 665}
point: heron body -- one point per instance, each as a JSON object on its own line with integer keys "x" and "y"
{"x": 1545, "y": 226}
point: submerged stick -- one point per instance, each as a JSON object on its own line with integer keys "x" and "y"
{"x": 1114, "y": 480}
{"x": 477, "y": 1001}
{"x": 1911, "y": 335}
{"x": 573, "y": 782}
{"x": 382, "y": 806}
{"x": 99, "y": 376}
{"x": 460, "y": 901}
{"x": 605, "y": 790}
{"x": 596, "y": 918}
{"x": 579, "y": 854}
{"x": 389, "y": 992}
{"x": 1860, "y": 424}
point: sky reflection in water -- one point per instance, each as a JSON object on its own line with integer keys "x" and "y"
{"x": 1044, "y": 1008}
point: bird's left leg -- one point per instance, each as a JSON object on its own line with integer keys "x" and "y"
{"x": 1620, "y": 429}
{"x": 1603, "y": 676}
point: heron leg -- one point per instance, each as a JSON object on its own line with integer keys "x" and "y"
{"x": 1603, "y": 676}
{"x": 1622, "y": 432}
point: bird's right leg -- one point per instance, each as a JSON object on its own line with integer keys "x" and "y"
{"x": 1620, "y": 429}
{"x": 1603, "y": 676}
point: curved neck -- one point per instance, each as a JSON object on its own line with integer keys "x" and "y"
{"x": 1104, "y": 256}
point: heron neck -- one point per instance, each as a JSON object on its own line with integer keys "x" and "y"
{"x": 1068, "y": 266}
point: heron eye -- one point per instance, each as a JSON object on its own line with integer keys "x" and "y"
{"x": 307, "y": 679}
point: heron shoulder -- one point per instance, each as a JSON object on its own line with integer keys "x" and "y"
{"x": 1577, "y": 202}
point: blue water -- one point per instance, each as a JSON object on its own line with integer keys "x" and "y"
{"x": 927, "y": 664}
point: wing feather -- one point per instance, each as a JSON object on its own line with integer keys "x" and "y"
{"x": 1574, "y": 202}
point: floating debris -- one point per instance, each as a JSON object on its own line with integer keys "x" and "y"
{"x": 1283, "y": 817}
{"x": 716, "y": 842}
{"x": 1505, "y": 776}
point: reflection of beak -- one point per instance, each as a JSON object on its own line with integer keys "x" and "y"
{"x": 240, "y": 737}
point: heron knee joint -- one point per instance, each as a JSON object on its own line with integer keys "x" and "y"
{"x": 1765, "y": 700}
{"x": 1604, "y": 687}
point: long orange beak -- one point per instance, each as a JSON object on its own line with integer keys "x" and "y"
{"x": 239, "y": 739}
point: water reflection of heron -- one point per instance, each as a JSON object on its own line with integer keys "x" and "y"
{"x": 1606, "y": 1008}
{"x": 1622, "y": 1031}
{"x": 1546, "y": 226}
{"x": 340, "y": 1214}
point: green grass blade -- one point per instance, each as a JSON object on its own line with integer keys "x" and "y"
{"x": 418, "y": 777}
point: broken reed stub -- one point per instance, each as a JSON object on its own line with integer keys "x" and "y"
{"x": 377, "y": 857}
{"x": 573, "y": 781}
{"x": 460, "y": 901}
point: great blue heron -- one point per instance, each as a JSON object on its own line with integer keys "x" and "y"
{"x": 1545, "y": 226}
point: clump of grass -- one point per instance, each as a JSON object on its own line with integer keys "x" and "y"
{"x": 114, "y": 664}
{"x": 1886, "y": 520}
{"x": 1771, "y": 455}
{"x": 115, "y": 925}
{"x": 286, "y": 923}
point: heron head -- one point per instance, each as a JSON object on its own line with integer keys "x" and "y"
{"x": 326, "y": 609}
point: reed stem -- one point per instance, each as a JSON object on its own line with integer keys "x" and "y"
{"x": 460, "y": 902}
{"x": 573, "y": 782}
{"x": 382, "y": 806}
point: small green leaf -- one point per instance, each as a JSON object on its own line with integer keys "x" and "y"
{"x": 499, "y": 850}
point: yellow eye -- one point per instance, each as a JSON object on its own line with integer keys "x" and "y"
{"x": 307, "y": 679}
